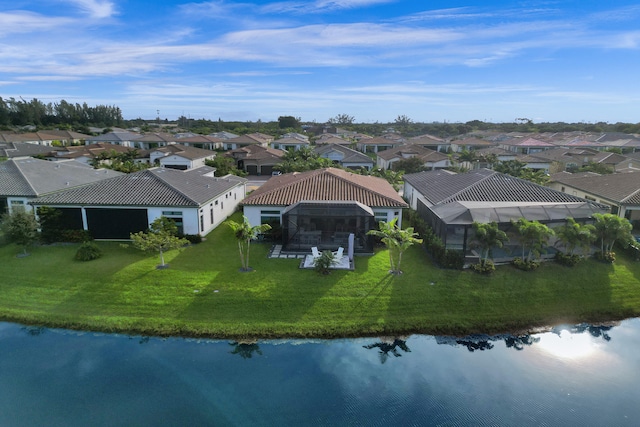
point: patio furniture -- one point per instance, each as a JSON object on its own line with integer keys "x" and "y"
{"x": 339, "y": 253}
{"x": 314, "y": 252}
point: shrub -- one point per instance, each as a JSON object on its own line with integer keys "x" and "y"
{"x": 88, "y": 251}
{"x": 608, "y": 257}
{"x": 523, "y": 264}
{"x": 194, "y": 239}
{"x": 568, "y": 260}
{"x": 484, "y": 267}
{"x": 324, "y": 262}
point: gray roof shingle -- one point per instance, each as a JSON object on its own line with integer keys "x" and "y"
{"x": 151, "y": 187}
{"x": 27, "y": 176}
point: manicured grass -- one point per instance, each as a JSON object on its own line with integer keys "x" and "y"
{"x": 203, "y": 293}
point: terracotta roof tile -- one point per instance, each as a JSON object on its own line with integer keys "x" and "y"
{"x": 326, "y": 184}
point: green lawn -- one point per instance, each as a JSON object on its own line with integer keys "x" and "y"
{"x": 203, "y": 293}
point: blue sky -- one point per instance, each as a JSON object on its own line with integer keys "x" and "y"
{"x": 570, "y": 61}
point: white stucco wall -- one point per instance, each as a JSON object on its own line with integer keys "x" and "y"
{"x": 220, "y": 208}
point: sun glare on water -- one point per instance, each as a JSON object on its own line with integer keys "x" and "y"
{"x": 567, "y": 345}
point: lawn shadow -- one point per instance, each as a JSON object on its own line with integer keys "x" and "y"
{"x": 275, "y": 291}
{"x": 369, "y": 299}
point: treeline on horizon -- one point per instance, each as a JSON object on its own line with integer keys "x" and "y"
{"x": 15, "y": 114}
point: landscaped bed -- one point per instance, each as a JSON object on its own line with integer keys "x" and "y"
{"x": 204, "y": 293}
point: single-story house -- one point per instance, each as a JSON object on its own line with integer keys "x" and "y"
{"x": 450, "y": 203}
{"x": 124, "y": 138}
{"x": 256, "y": 159}
{"x": 177, "y": 156}
{"x": 344, "y": 156}
{"x": 379, "y": 143}
{"x": 22, "y": 179}
{"x": 431, "y": 142}
{"x": 526, "y": 145}
{"x": 245, "y": 141}
{"x": 205, "y": 142}
{"x": 323, "y": 207}
{"x": 620, "y": 191}
{"x": 431, "y": 159}
{"x": 114, "y": 208}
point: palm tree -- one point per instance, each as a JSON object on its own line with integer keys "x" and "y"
{"x": 574, "y": 235}
{"x": 245, "y": 233}
{"x": 532, "y": 235}
{"x": 610, "y": 228}
{"x": 487, "y": 236}
{"x": 397, "y": 241}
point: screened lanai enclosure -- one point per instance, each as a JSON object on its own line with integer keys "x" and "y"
{"x": 453, "y": 222}
{"x": 327, "y": 226}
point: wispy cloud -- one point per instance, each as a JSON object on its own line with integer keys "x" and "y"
{"x": 95, "y": 8}
{"x": 319, "y": 6}
{"x": 26, "y": 22}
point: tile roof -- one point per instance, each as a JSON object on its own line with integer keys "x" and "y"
{"x": 325, "y": 184}
{"x": 188, "y": 152}
{"x": 619, "y": 187}
{"x": 115, "y": 137}
{"x": 407, "y": 151}
{"x": 350, "y": 155}
{"x": 483, "y": 185}
{"x": 151, "y": 187}
{"x": 33, "y": 177}
{"x": 21, "y": 149}
{"x": 257, "y": 152}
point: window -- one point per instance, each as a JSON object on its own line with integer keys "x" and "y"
{"x": 201, "y": 223}
{"x": 176, "y": 217}
{"x": 379, "y": 216}
{"x": 269, "y": 217}
{"x": 211, "y": 214}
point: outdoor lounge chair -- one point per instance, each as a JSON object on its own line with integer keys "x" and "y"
{"x": 314, "y": 252}
{"x": 338, "y": 254}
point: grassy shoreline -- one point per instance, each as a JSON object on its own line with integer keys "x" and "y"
{"x": 203, "y": 294}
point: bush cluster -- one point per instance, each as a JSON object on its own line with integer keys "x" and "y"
{"x": 568, "y": 260}
{"x": 484, "y": 267}
{"x": 88, "y": 251}
{"x": 525, "y": 265}
{"x": 194, "y": 239}
{"x": 608, "y": 257}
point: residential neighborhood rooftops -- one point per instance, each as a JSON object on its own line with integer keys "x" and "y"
{"x": 325, "y": 184}
{"x": 618, "y": 187}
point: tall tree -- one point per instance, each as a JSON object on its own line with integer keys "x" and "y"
{"x": 288, "y": 122}
{"x": 245, "y": 233}
{"x": 397, "y": 241}
{"x": 342, "y": 119}
{"x": 160, "y": 237}
{"x": 20, "y": 227}
{"x": 486, "y": 237}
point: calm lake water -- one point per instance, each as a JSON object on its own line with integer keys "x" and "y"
{"x": 584, "y": 376}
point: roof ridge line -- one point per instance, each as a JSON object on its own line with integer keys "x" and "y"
{"x": 361, "y": 186}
